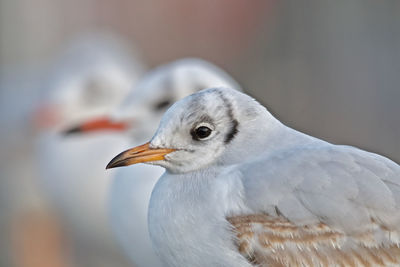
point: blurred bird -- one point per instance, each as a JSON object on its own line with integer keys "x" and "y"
{"x": 20, "y": 197}
{"x": 89, "y": 81}
{"x": 141, "y": 112}
{"x": 242, "y": 189}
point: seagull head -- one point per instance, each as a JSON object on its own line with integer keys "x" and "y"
{"x": 78, "y": 98}
{"x": 143, "y": 108}
{"x": 216, "y": 126}
{"x": 88, "y": 80}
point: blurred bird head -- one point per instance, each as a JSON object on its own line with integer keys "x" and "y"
{"x": 88, "y": 81}
{"x": 141, "y": 111}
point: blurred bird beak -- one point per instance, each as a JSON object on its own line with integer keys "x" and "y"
{"x": 139, "y": 154}
{"x": 100, "y": 124}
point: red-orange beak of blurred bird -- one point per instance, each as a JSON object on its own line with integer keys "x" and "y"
{"x": 99, "y": 124}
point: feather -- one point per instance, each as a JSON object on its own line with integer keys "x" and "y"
{"x": 275, "y": 241}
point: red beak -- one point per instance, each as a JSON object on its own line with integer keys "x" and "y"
{"x": 97, "y": 125}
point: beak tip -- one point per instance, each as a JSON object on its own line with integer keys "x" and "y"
{"x": 109, "y": 166}
{"x": 116, "y": 162}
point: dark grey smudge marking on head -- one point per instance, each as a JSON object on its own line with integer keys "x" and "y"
{"x": 232, "y": 133}
{"x": 188, "y": 150}
{"x": 234, "y": 123}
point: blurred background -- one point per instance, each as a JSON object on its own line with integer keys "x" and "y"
{"x": 328, "y": 68}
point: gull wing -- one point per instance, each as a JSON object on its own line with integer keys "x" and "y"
{"x": 320, "y": 206}
{"x": 274, "y": 241}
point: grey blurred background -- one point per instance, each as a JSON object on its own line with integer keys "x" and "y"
{"x": 328, "y": 68}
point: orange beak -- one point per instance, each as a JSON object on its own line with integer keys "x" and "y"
{"x": 100, "y": 124}
{"x": 139, "y": 154}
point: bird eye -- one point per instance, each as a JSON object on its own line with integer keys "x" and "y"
{"x": 162, "y": 104}
{"x": 201, "y": 132}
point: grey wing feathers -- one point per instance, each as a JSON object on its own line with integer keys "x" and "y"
{"x": 274, "y": 241}
{"x": 349, "y": 189}
{"x": 320, "y": 206}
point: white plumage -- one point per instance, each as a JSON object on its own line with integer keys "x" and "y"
{"x": 143, "y": 109}
{"x": 247, "y": 190}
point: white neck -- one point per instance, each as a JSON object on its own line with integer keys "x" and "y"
{"x": 187, "y": 234}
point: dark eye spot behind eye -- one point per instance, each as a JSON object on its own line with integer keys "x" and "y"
{"x": 163, "y": 104}
{"x": 231, "y": 134}
{"x": 200, "y": 133}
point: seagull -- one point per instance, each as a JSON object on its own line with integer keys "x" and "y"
{"x": 89, "y": 80}
{"x": 242, "y": 189}
{"x": 141, "y": 112}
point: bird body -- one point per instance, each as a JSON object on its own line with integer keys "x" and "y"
{"x": 58, "y": 152}
{"x": 127, "y": 207}
{"x": 88, "y": 81}
{"x": 242, "y": 189}
{"x": 253, "y": 209}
